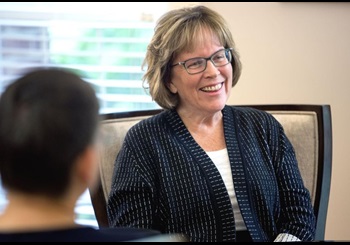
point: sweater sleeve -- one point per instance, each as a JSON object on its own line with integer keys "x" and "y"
{"x": 131, "y": 200}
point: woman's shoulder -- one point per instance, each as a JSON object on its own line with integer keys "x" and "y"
{"x": 247, "y": 115}
{"x": 148, "y": 125}
{"x": 248, "y": 111}
{"x": 151, "y": 121}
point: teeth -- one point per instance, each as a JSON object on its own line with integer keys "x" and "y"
{"x": 212, "y": 88}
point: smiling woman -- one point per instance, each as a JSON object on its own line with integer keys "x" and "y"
{"x": 201, "y": 161}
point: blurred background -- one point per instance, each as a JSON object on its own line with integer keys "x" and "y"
{"x": 292, "y": 52}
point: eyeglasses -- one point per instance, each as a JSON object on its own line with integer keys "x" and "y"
{"x": 197, "y": 65}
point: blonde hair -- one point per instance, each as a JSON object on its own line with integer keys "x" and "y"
{"x": 176, "y": 32}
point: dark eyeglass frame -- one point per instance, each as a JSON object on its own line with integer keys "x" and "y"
{"x": 228, "y": 54}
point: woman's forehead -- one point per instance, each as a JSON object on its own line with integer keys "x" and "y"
{"x": 199, "y": 42}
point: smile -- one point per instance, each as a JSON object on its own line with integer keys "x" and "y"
{"x": 212, "y": 88}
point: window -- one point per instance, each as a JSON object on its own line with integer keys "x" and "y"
{"x": 104, "y": 42}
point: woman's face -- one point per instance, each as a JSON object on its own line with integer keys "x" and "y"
{"x": 205, "y": 92}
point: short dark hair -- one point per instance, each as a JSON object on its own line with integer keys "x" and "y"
{"x": 47, "y": 118}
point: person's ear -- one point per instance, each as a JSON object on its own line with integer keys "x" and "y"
{"x": 87, "y": 166}
{"x": 172, "y": 87}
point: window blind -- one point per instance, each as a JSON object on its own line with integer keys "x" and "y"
{"x": 105, "y": 43}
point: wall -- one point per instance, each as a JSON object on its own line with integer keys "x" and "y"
{"x": 299, "y": 53}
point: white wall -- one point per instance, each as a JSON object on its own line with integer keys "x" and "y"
{"x": 299, "y": 53}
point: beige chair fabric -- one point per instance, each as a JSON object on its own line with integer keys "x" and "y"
{"x": 113, "y": 133}
{"x": 301, "y": 129}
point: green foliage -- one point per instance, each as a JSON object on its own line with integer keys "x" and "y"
{"x": 100, "y": 54}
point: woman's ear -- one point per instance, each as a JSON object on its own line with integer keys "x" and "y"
{"x": 172, "y": 87}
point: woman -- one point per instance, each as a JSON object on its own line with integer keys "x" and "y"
{"x": 202, "y": 168}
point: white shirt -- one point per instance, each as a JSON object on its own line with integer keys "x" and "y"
{"x": 222, "y": 162}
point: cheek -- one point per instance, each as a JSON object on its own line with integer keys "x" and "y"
{"x": 227, "y": 71}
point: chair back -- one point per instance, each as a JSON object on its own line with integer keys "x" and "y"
{"x": 308, "y": 127}
{"x": 114, "y": 127}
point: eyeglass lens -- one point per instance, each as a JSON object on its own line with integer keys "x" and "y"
{"x": 197, "y": 65}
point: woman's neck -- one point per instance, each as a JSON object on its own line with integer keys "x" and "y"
{"x": 207, "y": 130}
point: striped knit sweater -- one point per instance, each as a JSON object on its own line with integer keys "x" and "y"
{"x": 164, "y": 180}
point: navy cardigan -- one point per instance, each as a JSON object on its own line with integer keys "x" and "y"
{"x": 164, "y": 180}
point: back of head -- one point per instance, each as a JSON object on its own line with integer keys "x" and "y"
{"x": 47, "y": 118}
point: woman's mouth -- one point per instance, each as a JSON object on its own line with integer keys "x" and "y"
{"x": 212, "y": 88}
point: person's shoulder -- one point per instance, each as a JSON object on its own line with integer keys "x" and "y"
{"x": 164, "y": 238}
{"x": 248, "y": 116}
{"x": 156, "y": 118}
{"x": 81, "y": 234}
{"x": 139, "y": 235}
{"x": 126, "y": 234}
{"x": 150, "y": 122}
{"x": 247, "y": 111}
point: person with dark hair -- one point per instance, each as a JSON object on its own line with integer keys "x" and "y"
{"x": 212, "y": 171}
{"x": 49, "y": 122}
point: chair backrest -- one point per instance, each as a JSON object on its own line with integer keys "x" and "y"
{"x": 308, "y": 127}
